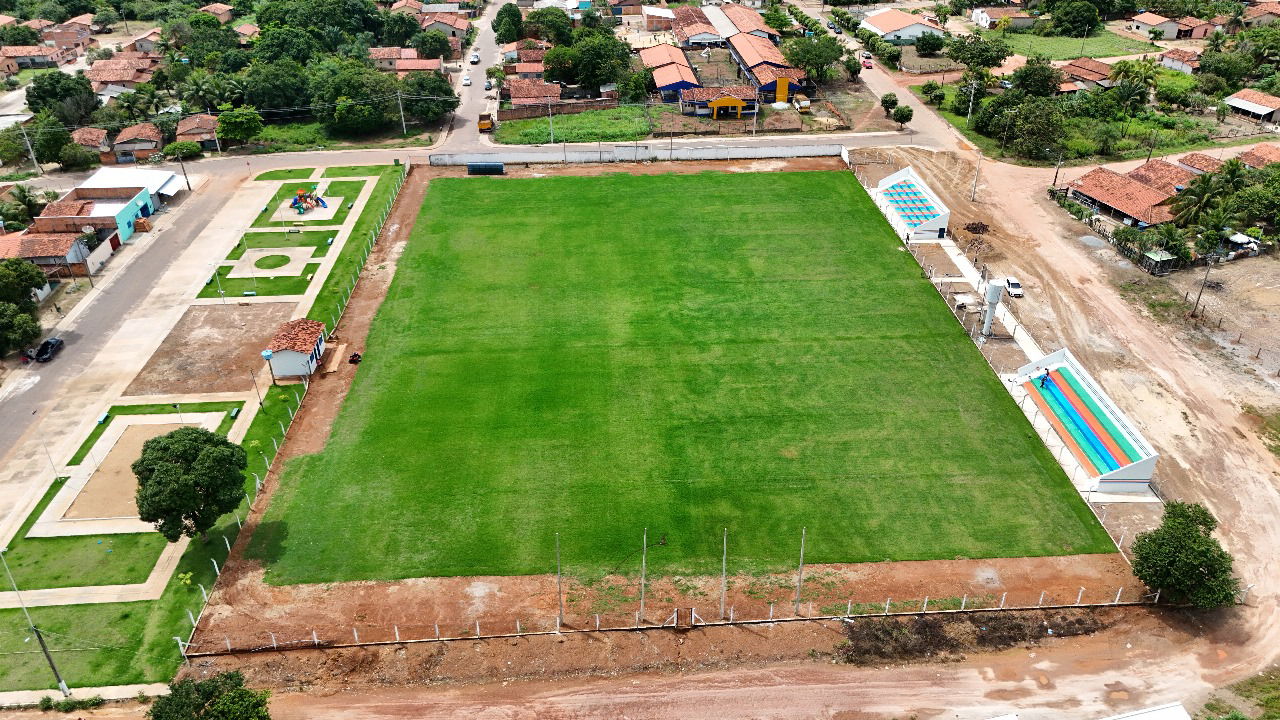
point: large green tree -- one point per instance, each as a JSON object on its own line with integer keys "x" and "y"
{"x": 978, "y": 53}
{"x": 431, "y": 44}
{"x": 239, "y": 125}
{"x": 17, "y": 328}
{"x": 1183, "y": 560}
{"x": 817, "y": 56}
{"x": 344, "y": 16}
{"x": 1037, "y": 77}
{"x": 351, "y": 97}
{"x": 280, "y": 84}
{"x": 187, "y": 479}
{"x": 284, "y": 43}
{"x": 428, "y": 96}
{"x": 19, "y": 35}
{"x": 509, "y": 14}
{"x": 70, "y": 97}
{"x": 18, "y": 278}
{"x": 1075, "y": 19}
{"x": 221, "y": 697}
{"x": 397, "y": 28}
{"x": 560, "y": 64}
{"x": 550, "y": 24}
{"x": 601, "y": 60}
{"x": 48, "y": 135}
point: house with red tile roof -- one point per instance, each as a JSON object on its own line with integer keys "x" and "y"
{"x": 384, "y": 58}
{"x": 122, "y": 72}
{"x": 296, "y": 348}
{"x": 1148, "y": 22}
{"x": 1182, "y": 60}
{"x": 248, "y": 32}
{"x": 692, "y": 27}
{"x": 222, "y": 11}
{"x": 147, "y": 42}
{"x": 672, "y": 78}
{"x": 38, "y": 24}
{"x": 451, "y": 24}
{"x": 1162, "y": 175}
{"x": 134, "y": 143}
{"x": 1121, "y": 197}
{"x": 34, "y": 56}
{"x": 760, "y": 61}
{"x": 6, "y": 20}
{"x": 1199, "y": 163}
{"x": 57, "y": 254}
{"x": 895, "y": 24}
{"x": 662, "y": 54}
{"x": 1193, "y": 28}
{"x": 1254, "y": 104}
{"x": 201, "y": 129}
{"x": 92, "y": 138}
{"x": 720, "y": 103}
{"x": 531, "y": 92}
{"x": 1261, "y": 155}
{"x": 404, "y": 66}
{"x": 749, "y": 21}
{"x": 988, "y": 17}
{"x": 1092, "y": 73}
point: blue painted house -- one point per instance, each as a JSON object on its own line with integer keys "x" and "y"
{"x": 113, "y": 213}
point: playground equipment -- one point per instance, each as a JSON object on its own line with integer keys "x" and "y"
{"x": 304, "y": 200}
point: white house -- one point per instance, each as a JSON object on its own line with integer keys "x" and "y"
{"x": 1146, "y": 22}
{"x": 296, "y": 348}
{"x": 987, "y": 18}
{"x": 1182, "y": 60}
{"x": 895, "y": 25}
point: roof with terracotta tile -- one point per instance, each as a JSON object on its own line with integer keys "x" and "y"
{"x": 389, "y": 53}
{"x": 201, "y": 123}
{"x": 755, "y": 50}
{"x": 746, "y": 19}
{"x": 38, "y": 23}
{"x": 1162, "y": 175}
{"x": 662, "y": 54}
{"x": 525, "y": 89}
{"x": 1182, "y": 55}
{"x": 1201, "y": 162}
{"x": 707, "y": 94}
{"x": 299, "y": 335}
{"x": 36, "y": 245}
{"x": 217, "y": 8}
{"x": 672, "y": 74}
{"x": 141, "y": 131}
{"x": 1087, "y": 69}
{"x": 1189, "y": 22}
{"x": 766, "y": 74}
{"x": 1124, "y": 194}
{"x": 453, "y": 19}
{"x": 1256, "y": 11}
{"x": 531, "y": 55}
{"x": 85, "y": 19}
{"x": 248, "y": 29}
{"x": 1257, "y": 97}
{"x": 893, "y": 20}
{"x": 8, "y": 20}
{"x": 67, "y": 208}
{"x": 1149, "y": 18}
{"x": 1261, "y": 155}
{"x": 691, "y": 21}
{"x": 523, "y": 67}
{"x": 28, "y": 51}
{"x": 90, "y": 137}
{"x": 418, "y": 64}
{"x": 1006, "y": 12}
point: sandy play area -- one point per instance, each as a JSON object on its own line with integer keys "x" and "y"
{"x": 109, "y": 492}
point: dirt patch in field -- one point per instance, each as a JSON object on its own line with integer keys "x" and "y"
{"x": 212, "y": 349}
{"x": 111, "y": 489}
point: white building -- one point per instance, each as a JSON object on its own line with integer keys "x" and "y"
{"x": 1182, "y": 60}
{"x": 296, "y": 348}
{"x": 1146, "y": 22}
{"x": 895, "y": 25}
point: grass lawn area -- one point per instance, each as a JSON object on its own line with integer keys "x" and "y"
{"x": 25, "y": 76}
{"x": 237, "y": 287}
{"x": 355, "y": 171}
{"x": 318, "y": 239}
{"x": 328, "y": 300}
{"x": 597, "y": 370}
{"x": 1102, "y": 43}
{"x": 81, "y": 560}
{"x": 155, "y": 409}
{"x": 119, "y": 643}
{"x": 287, "y": 174}
{"x": 988, "y": 146}
{"x": 612, "y": 125}
{"x": 347, "y": 190}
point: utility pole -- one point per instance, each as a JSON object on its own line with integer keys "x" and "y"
{"x": 1204, "y": 281}
{"x": 404, "y": 129}
{"x": 800, "y": 572}
{"x": 973, "y": 191}
{"x": 552, "y": 123}
{"x": 182, "y": 164}
{"x": 66, "y": 692}
{"x": 644, "y": 560}
{"x": 559, "y": 590}
{"x": 973, "y": 93}
{"x": 30, "y": 150}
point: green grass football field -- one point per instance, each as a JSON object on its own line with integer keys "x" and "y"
{"x": 594, "y": 356}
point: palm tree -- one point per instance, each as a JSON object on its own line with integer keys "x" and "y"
{"x": 199, "y": 89}
{"x": 1235, "y": 21}
{"x": 1215, "y": 226}
{"x": 1231, "y": 177}
{"x": 28, "y": 199}
{"x": 1194, "y": 199}
{"x": 132, "y": 105}
{"x": 1168, "y": 235}
{"x": 14, "y": 215}
{"x": 1130, "y": 96}
{"x": 1216, "y": 41}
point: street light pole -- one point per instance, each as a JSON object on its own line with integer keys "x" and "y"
{"x": 1204, "y": 281}
{"x": 66, "y": 692}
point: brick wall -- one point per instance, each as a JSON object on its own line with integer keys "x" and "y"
{"x": 529, "y": 111}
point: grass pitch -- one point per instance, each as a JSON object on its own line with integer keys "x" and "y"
{"x": 593, "y": 356}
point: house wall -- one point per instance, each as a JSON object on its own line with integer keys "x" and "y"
{"x": 1177, "y": 65}
{"x": 1170, "y": 28}
{"x": 907, "y": 34}
{"x": 287, "y": 363}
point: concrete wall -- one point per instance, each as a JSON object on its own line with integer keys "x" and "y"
{"x": 531, "y": 111}
{"x": 638, "y": 152}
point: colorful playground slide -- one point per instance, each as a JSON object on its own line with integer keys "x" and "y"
{"x": 1088, "y": 432}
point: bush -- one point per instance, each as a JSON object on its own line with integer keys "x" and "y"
{"x": 293, "y": 136}
{"x": 76, "y": 157}
{"x": 1078, "y": 147}
{"x": 929, "y": 44}
{"x": 184, "y": 149}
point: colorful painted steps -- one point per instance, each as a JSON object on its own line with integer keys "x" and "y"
{"x": 1089, "y": 433}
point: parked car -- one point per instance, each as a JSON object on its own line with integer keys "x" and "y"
{"x": 488, "y": 83}
{"x": 830, "y": 24}
{"x": 1013, "y": 287}
{"x": 837, "y": 30}
{"x": 48, "y": 349}
{"x": 866, "y": 54}
{"x": 475, "y": 58}
{"x": 867, "y": 63}
{"x": 466, "y": 80}
{"x": 1006, "y": 84}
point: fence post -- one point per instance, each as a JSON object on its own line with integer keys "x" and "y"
{"x": 518, "y": 630}
{"x": 886, "y": 606}
{"x": 925, "y": 608}
{"x": 1157, "y": 600}
{"x": 771, "y": 611}
{"x": 1118, "y": 591}
{"x": 397, "y": 629}
{"x": 227, "y": 542}
{"x": 217, "y": 571}
{"x": 314, "y": 639}
{"x": 228, "y": 641}
{"x": 1079, "y": 596}
{"x": 1041, "y": 600}
{"x": 273, "y": 640}
{"x": 964, "y": 601}
{"x": 1003, "y": 595}
{"x": 203, "y": 593}
{"x": 181, "y": 650}
{"x": 437, "y": 631}
{"x": 191, "y": 618}
{"x": 597, "y": 622}
{"x": 477, "y": 628}
{"x": 238, "y": 525}
{"x": 848, "y": 607}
